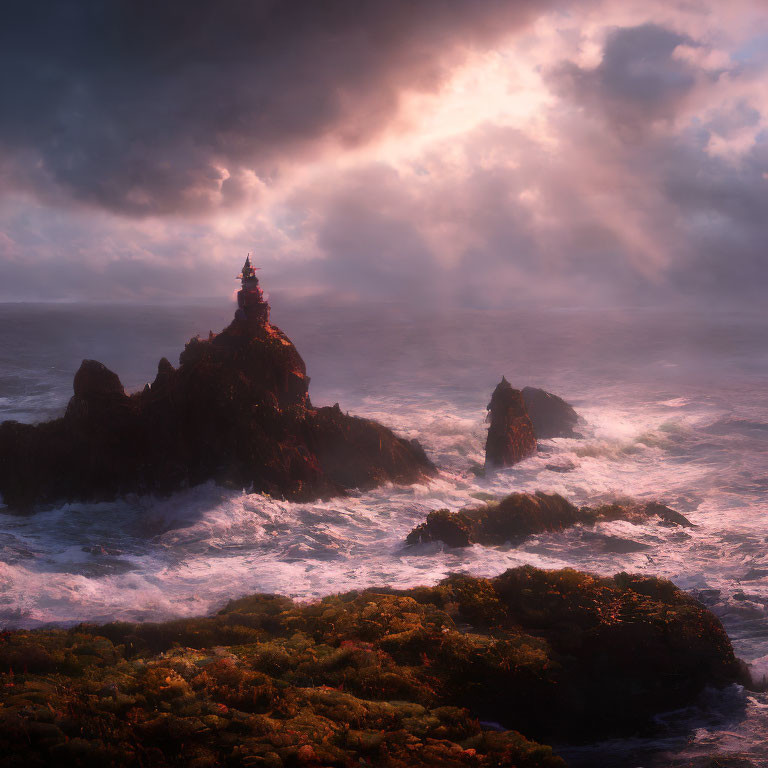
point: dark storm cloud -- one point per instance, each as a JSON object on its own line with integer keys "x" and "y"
{"x": 642, "y": 179}
{"x": 136, "y": 106}
{"x": 638, "y": 80}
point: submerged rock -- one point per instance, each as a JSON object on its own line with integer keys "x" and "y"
{"x": 615, "y": 545}
{"x": 236, "y": 411}
{"x": 566, "y": 466}
{"x": 510, "y": 434}
{"x": 382, "y": 677}
{"x": 519, "y": 515}
{"x": 551, "y": 415}
{"x": 638, "y": 513}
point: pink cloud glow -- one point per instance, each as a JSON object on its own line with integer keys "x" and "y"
{"x": 594, "y": 152}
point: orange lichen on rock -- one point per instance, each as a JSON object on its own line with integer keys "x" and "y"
{"x": 383, "y": 677}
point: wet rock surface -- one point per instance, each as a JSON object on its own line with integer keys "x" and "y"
{"x": 551, "y": 415}
{"x": 236, "y": 411}
{"x": 510, "y": 433}
{"x": 520, "y": 515}
{"x": 379, "y": 677}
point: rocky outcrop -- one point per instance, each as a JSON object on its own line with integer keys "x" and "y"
{"x": 510, "y": 433}
{"x": 378, "y": 677}
{"x": 637, "y": 513}
{"x": 510, "y": 520}
{"x": 551, "y": 415}
{"x": 235, "y": 411}
{"x": 520, "y": 515}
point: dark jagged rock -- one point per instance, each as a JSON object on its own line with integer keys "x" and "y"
{"x": 512, "y": 519}
{"x": 380, "y": 677}
{"x": 94, "y": 381}
{"x": 236, "y": 411}
{"x": 551, "y": 415}
{"x": 519, "y": 515}
{"x": 510, "y": 434}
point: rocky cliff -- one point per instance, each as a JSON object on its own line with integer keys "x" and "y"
{"x": 236, "y": 411}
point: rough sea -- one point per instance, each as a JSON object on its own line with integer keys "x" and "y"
{"x": 674, "y": 407}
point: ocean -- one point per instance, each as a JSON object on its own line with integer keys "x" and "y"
{"x": 674, "y": 407}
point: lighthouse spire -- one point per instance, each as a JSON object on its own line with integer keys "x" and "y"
{"x": 250, "y": 298}
{"x": 248, "y": 272}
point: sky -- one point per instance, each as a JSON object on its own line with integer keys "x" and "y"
{"x": 483, "y": 154}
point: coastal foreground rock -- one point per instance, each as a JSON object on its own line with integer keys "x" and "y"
{"x": 382, "y": 677}
{"x": 236, "y": 411}
{"x": 520, "y": 515}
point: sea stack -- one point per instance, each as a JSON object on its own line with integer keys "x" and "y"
{"x": 236, "y": 411}
{"x": 550, "y": 415}
{"x": 510, "y": 434}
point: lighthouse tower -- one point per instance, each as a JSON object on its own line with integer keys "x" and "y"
{"x": 250, "y": 298}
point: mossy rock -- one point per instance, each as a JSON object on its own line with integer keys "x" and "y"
{"x": 382, "y": 677}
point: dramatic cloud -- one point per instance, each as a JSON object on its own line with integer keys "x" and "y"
{"x": 149, "y": 108}
{"x": 639, "y": 79}
{"x": 435, "y": 152}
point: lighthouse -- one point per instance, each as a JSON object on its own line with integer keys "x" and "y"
{"x": 250, "y": 298}
{"x": 248, "y": 276}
